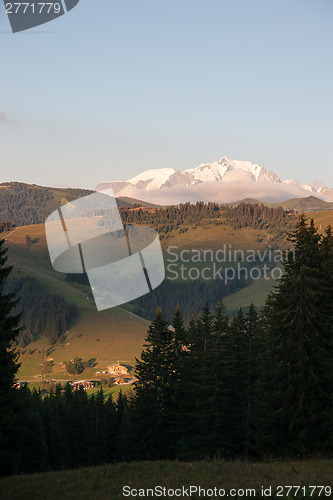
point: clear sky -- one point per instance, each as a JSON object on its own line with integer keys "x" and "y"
{"x": 115, "y": 87}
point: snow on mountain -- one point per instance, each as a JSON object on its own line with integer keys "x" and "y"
{"x": 229, "y": 170}
{"x": 307, "y": 187}
{"x": 154, "y": 179}
{"x": 326, "y": 193}
{"x": 224, "y": 180}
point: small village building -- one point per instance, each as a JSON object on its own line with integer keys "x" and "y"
{"x": 86, "y": 384}
{"x": 117, "y": 369}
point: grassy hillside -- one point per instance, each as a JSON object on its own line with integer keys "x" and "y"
{"x": 126, "y": 201}
{"x": 104, "y": 337}
{"x": 307, "y": 204}
{"x": 118, "y": 334}
{"x": 111, "y": 335}
{"x": 214, "y": 237}
{"x": 322, "y": 219}
{"x": 107, "y": 482}
{"x": 108, "y": 336}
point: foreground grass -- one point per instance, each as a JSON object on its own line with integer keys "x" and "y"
{"x": 107, "y": 482}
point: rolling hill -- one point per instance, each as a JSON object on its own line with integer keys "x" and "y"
{"x": 118, "y": 333}
{"x": 307, "y": 204}
{"x": 25, "y": 204}
{"x": 107, "y": 336}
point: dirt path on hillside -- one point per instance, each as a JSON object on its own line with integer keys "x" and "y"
{"x": 6, "y": 237}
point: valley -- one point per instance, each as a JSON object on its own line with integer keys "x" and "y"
{"x": 118, "y": 334}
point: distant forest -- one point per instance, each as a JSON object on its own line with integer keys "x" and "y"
{"x": 189, "y": 295}
{"x": 24, "y": 204}
{"x": 42, "y": 314}
{"x": 254, "y": 215}
{"x": 6, "y": 226}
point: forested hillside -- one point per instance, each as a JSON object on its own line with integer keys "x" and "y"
{"x": 187, "y": 215}
{"x": 24, "y": 204}
{"x": 41, "y": 313}
{"x": 249, "y": 386}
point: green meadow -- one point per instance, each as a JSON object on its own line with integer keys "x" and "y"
{"x": 238, "y": 480}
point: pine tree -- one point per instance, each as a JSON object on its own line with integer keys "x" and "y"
{"x": 32, "y": 443}
{"x": 9, "y": 365}
{"x": 98, "y": 421}
{"x": 325, "y": 303}
{"x": 220, "y": 332}
{"x": 153, "y": 390}
{"x": 111, "y": 429}
{"x": 124, "y": 429}
{"x": 252, "y": 377}
{"x": 235, "y": 387}
{"x": 180, "y": 353}
{"x": 297, "y": 377}
{"x": 197, "y": 405}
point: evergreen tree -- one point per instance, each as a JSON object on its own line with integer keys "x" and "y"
{"x": 53, "y": 428}
{"x": 124, "y": 437}
{"x": 297, "y": 383}
{"x": 79, "y": 435}
{"x": 32, "y": 445}
{"x": 220, "y": 332}
{"x": 180, "y": 352}
{"x": 110, "y": 430}
{"x": 98, "y": 422}
{"x": 198, "y": 391}
{"x": 153, "y": 390}
{"x": 236, "y": 387}
{"x": 8, "y": 363}
{"x": 252, "y": 377}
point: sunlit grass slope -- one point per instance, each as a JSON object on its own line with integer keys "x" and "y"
{"x": 108, "y": 336}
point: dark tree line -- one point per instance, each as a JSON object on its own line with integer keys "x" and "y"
{"x": 256, "y": 385}
{"x": 67, "y": 429}
{"x": 6, "y": 226}
{"x": 254, "y": 215}
{"x": 189, "y": 295}
{"x": 9, "y": 329}
{"x": 41, "y": 314}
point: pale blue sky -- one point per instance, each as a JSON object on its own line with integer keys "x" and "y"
{"x": 116, "y": 87}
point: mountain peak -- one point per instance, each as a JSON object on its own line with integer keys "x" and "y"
{"x": 217, "y": 181}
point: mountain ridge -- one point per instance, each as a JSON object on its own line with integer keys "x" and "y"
{"x": 195, "y": 184}
{"x": 24, "y": 204}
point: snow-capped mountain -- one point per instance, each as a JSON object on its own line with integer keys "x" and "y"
{"x": 224, "y": 180}
{"x": 232, "y": 170}
{"x": 326, "y": 193}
